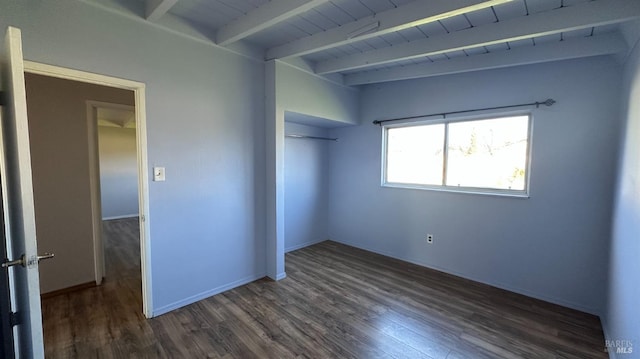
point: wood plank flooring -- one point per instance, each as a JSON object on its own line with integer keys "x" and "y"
{"x": 337, "y": 302}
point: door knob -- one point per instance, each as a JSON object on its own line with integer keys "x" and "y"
{"x": 45, "y": 256}
{"x": 23, "y": 262}
{"x": 12, "y": 263}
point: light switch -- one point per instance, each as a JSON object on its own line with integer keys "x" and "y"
{"x": 158, "y": 174}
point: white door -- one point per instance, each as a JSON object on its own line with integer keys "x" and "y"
{"x": 16, "y": 176}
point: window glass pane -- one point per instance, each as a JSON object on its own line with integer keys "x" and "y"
{"x": 488, "y": 153}
{"x": 414, "y": 154}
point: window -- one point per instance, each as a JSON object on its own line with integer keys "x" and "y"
{"x": 488, "y": 155}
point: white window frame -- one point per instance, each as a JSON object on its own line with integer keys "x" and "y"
{"x": 459, "y": 189}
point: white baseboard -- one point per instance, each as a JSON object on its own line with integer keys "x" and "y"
{"x": 605, "y": 329}
{"x": 281, "y": 276}
{"x": 302, "y": 245}
{"x": 209, "y": 293}
{"x": 121, "y": 217}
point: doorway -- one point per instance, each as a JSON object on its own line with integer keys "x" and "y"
{"x": 114, "y": 186}
{"x": 90, "y": 184}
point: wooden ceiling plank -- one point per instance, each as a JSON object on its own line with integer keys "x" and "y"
{"x": 396, "y": 19}
{"x": 156, "y": 8}
{"x": 265, "y": 16}
{"x": 595, "y": 13}
{"x": 574, "y": 48}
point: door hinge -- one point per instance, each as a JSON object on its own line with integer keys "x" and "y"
{"x": 14, "y": 319}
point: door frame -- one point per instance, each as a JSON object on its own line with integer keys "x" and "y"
{"x": 6, "y": 329}
{"x": 143, "y": 167}
{"x": 94, "y": 179}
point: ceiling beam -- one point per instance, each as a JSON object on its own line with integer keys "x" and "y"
{"x": 412, "y": 14}
{"x": 156, "y": 8}
{"x": 606, "y": 44}
{"x": 585, "y": 15}
{"x": 267, "y": 15}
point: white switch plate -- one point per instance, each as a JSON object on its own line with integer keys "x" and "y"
{"x": 158, "y": 174}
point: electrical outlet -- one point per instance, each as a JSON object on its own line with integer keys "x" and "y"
{"x": 430, "y": 238}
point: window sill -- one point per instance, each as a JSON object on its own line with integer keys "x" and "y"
{"x": 463, "y": 190}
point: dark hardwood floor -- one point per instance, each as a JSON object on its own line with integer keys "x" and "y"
{"x": 337, "y": 302}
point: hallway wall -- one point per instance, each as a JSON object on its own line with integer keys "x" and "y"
{"x": 58, "y": 128}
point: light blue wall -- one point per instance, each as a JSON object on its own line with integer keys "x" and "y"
{"x": 206, "y": 125}
{"x": 553, "y": 245}
{"x": 622, "y": 318}
{"x": 301, "y": 92}
{"x": 205, "y": 119}
{"x": 306, "y": 192}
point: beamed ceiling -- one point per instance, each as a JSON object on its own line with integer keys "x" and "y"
{"x": 369, "y": 41}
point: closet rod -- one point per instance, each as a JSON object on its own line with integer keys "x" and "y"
{"x": 547, "y": 102}
{"x": 311, "y": 137}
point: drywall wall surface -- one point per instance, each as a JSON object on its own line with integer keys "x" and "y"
{"x": 301, "y": 92}
{"x": 289, "y": 89}
{"x": 205, "y": 125}
{"x": 306, "y": 169}
{"x": 59, "y": 134}
{"x": 552, "y": 245}
{"x": 622, "y": 317}
{"x": 274, "y": 181}
{"x": 118, "y": 172}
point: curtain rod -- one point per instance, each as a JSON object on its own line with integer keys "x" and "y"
{"x": 311, "y": 137}
{"x": 547, "y": 102}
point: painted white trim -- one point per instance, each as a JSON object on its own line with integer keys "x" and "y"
{"x": 155, "y": 9}
{"x": 94, "y": 188}
{"x": 94, "y": 181}
{"x": 117, "y": 106}
{"x": 399, "y": 18}
{"x": 206, "y": 294}
{"x": 303, "y": 245}
{"x": 263, "y": 17}
{"x": 26, "y": 282}
{"x": 596, "y": 45}
{"x": 464, "y": 190}
{"x": 143, "y": 200}
{"x": 124, "y": 216}
{"x": 177, "y": 26}
{"x": 281, "y": 276}
{"x": 580, "y": 16}
{"x": 143, "y": 173}
{"x": 607, "y": 336}
{"x": 446, "y": 121}
{"x": 81, "y": 76}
